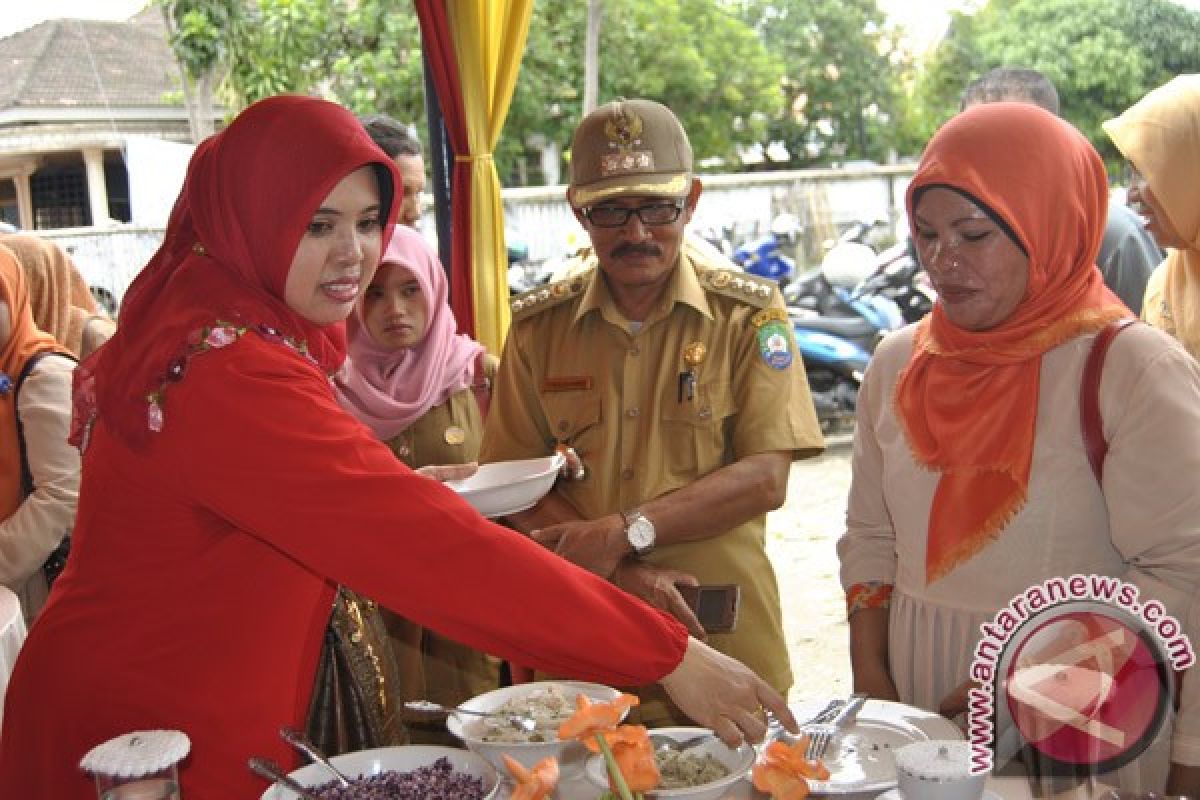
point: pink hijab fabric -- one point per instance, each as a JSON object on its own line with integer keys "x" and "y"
{"x": 388, "y": 390}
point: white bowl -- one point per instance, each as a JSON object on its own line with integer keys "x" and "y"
{"x": 738, "y": 762}
{"x": 937, "y": 770}
{"x": 506, "y": 487}
{"x": 570, "y": 754}
{"x": 363, "y": 763}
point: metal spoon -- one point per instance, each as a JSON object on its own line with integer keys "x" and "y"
{"x": 663, "y": 742}
{"x": 298, "y": 741}
{"x": 525, "y": 724}
{"x": 265, "y": 768}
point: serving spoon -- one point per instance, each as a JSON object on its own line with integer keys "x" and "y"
{"x": 298, "y": 741}
{"x": 265, "y": 768}
{"x": 521, "y": 723}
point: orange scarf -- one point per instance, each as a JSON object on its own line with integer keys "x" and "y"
{"x": 967, "y": 400}
{"x": 24, "y": 340}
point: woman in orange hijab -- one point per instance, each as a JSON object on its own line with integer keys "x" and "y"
{"x": 61, "y": 302}
{"x": 971, "y": 482}
{"x": 38, "y": 492}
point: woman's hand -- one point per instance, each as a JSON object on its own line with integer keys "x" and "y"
{"x": 448, "y": 472}
{"x": 657, "y": 586}
{"x": 721, "y": 693}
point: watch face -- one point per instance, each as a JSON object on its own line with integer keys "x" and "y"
{"x": 641, "y": 534}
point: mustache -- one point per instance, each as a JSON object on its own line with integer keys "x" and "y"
{"x": 631, "y": 249}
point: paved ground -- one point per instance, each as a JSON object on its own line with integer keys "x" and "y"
{"x": 801, "y": 539}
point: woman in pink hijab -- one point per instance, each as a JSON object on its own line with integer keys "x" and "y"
{"x": 422, "y": 388}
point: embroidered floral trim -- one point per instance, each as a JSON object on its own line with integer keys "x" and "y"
{"x": 870, "y": 594}
{"x": 214, "y": 337}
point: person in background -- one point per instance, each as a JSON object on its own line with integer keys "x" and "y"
{"x": 226, "y": 495}
{"x": 677, "y": 382}
{"x": 404, "y": 148}
{"x": 39, "y": 471}
{"x": 1128, "y": 253}
{"x": 62, "y": 304}
{"x": 971, "y": 481}
{"x": 423, "y": 389}
{"x": 1159, "y": 136}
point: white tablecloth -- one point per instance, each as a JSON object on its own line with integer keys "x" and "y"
{"x": 12, "y": 634}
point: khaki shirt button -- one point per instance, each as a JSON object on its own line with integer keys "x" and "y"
{"x": 563, "y": 425}
{"x": 635, "y": 351}
{"x": 627, "y": 473}
{"x": 633, "y": 412}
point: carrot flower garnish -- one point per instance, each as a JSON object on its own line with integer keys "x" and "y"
{"x": 532, "y": 784}
{"x": 590, "y": 718}
{"x": 782, "y": 771}
{"x": 595, "y": 724}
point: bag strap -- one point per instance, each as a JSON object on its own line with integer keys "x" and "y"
{"x": 1089, "y": 396}
{"x": 26, "y": 474}
{"x": 481, "y": 385}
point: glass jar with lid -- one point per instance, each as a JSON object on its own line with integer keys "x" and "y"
{"x": 142, "y": 765}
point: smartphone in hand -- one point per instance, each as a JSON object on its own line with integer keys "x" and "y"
{"x": 716, "y": 606}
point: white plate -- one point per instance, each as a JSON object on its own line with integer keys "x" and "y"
{"x": 860, "y": 757}
{"x": 506, "y": 487}
{"x": 894, "y": 794}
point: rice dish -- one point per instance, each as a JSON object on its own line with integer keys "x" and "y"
{"x": 681, "y": 770}
{"x": 549, "y": 707}
{"x": 436, "y": 781}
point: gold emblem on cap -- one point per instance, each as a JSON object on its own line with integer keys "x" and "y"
{"x": 560, "y": 289}
{"x": 694, "y": 353}
{"x": 721, "y": 280}
{"x": 455, "y": 435}
{"x": 624, "y": 130}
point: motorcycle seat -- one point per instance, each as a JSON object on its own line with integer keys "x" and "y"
{"x": 845, "y": 327}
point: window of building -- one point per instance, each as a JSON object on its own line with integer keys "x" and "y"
{"x": 60, "y": 194}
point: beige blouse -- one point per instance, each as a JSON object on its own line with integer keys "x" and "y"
{"x": 47, "y": 515}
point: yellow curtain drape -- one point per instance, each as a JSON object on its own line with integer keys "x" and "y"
{"x": 489, "y": 41}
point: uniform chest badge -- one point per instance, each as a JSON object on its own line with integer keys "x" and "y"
{"x": 454, "y": 435}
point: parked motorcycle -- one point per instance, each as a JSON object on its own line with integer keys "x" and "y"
{"x": 523, "y": 272}
{"x": 765, "y": 256}
{"x": 837, "y": 329}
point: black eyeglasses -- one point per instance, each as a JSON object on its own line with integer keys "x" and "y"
{"x": 649, "y": 214}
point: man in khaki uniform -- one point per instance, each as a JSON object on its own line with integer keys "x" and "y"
{"x": 676, "y": 382}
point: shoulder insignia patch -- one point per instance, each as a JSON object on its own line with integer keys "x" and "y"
{"x": 740, "y": 285}
{"x": 548, "y": 296}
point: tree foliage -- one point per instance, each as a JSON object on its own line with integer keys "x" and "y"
{"x": 838, "y": 81}
{"x": 1102, "y": 55}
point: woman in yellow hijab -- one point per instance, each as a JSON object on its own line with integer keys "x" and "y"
{"x": 1160, "y": 137}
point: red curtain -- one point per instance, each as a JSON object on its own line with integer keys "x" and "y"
{"x": 439, "y": 49}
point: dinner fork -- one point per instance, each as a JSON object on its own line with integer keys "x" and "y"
{"x": 821, "y": 734}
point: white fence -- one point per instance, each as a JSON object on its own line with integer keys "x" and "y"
{"x": 737, "y": 207}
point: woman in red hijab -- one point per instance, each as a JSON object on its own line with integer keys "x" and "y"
{"x": 225, "y": 495}
{"x": 971, "y": 482}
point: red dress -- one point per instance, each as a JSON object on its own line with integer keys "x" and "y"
{"x": 203, "y": 569}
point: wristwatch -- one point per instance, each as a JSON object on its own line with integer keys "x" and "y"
{"x": 639, "y": 532}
